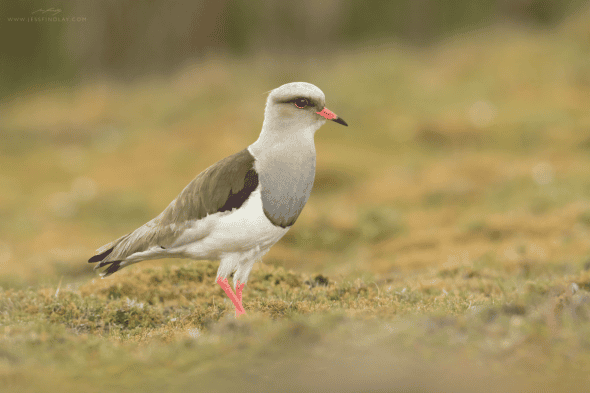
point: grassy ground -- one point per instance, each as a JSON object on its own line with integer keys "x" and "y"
{"x": 444, "y": 247}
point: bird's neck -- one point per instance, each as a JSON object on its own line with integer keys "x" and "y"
{"x": 285, "y": 141}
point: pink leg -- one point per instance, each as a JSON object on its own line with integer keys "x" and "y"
{"x": 224, "y": 284}
{"x": 239, "y": 289}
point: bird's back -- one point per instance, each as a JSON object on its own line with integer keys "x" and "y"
{"x": 224, "y": 186}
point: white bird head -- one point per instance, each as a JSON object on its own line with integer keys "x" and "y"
{"x": 298, "y": 105}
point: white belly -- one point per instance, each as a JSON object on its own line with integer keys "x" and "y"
{"x": 237, "y": 231}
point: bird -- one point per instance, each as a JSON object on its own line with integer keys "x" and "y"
{"x": 238, "y": 208}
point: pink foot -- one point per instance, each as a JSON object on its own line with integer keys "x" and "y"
{"x": 224, "y": 284}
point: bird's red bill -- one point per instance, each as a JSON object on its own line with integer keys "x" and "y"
{"x": 328, "y": 114}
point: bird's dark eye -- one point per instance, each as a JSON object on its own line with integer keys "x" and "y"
{"x": 301, "y": 103}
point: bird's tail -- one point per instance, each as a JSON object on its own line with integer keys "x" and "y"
{"x": 103, "y": 255}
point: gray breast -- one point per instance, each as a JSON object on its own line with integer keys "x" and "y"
{"x": 286, "y": 181}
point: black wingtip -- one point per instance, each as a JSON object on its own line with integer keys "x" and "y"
{"x": 100, "y": 257}
{"x": 113, "y": 268}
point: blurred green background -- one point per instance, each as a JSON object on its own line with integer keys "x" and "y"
{"x": 126, "y": 39}
{"x": 456, "y": 110}
{"x": 463, "y": 180}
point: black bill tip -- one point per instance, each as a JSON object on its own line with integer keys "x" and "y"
{"x": 340, "y": 121}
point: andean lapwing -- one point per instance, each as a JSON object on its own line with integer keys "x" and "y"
{"x": 239, "y": 207}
